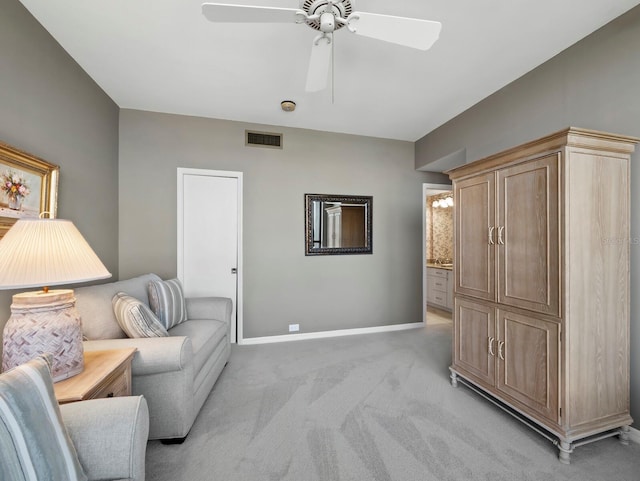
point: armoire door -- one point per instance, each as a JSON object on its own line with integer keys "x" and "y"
{"x": 527, "y": 235}
{"x": 209, "y": 213}
{"x": 528, "y": 353}
{"x": 475, "y": 340}
{"x": 475, "y": 237}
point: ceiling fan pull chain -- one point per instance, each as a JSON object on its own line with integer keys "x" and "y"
{"x": 333, "y": 52}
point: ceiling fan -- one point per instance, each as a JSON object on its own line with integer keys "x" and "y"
{"x": 327, "y": 16}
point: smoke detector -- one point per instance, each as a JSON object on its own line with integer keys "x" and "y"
{"x": 288, "y": 105}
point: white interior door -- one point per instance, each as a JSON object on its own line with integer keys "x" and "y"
{"x": 209, "y": 237}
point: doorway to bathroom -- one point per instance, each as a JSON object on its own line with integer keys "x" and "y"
{"x": 437, "y": 253}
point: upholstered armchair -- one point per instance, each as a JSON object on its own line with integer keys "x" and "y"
{"x": 102, "y": 439}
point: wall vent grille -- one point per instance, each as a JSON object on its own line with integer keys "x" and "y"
{"x": 263, "y": 139}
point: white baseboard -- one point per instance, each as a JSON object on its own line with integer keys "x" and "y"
{"x": 324, "y": 334}
{"x": 634, "y": 435}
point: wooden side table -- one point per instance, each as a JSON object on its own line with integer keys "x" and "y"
{"x": 105, "y": 374}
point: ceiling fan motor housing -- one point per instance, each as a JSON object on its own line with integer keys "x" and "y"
{"x": 327, "y": 22}
{"x": 328, "y": 11}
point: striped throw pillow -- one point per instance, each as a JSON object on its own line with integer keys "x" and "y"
{"x": 166, "y": 299}
{"x": 135, "y": 318}
{"x": 34, "y": 444}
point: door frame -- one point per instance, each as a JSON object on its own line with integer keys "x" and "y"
{"x": 425, "y": 192}
{"x": 237, "y": 323}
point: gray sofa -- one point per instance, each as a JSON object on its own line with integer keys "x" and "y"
{"x": 175, "y": 374}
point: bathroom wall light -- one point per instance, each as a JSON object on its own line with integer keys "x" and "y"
{"x": 443, "y": 202}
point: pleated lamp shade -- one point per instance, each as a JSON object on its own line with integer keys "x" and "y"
{"x": 46, "y": 252}
{"x": 42, "y": 253}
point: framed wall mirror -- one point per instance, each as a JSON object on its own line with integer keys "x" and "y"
{"x": 337, "y": 224}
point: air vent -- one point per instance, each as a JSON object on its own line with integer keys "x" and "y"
{"x": 263, "y": 139}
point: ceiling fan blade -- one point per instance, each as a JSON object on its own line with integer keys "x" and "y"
{"x": 410, "y": 32}
{"x": 222, "y": 12}
{"x": 319, "y": 64}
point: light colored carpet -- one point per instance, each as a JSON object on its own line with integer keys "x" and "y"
{"x": 359, "y": 408}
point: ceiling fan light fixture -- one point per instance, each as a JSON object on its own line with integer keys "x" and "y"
{"x": 288, "y": 105}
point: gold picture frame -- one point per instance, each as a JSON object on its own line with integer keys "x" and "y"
{"x": 28, "y": 186}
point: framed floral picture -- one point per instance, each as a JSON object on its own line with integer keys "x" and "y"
{"x": 28, "y": 186}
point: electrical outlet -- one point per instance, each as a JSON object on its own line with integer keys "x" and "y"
{"x": 294, "y": 327}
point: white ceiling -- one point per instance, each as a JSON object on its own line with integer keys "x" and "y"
{"x": 164, "y": 56}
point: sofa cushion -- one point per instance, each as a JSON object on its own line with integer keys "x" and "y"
{"x": 135, "y": 318}
{"x": 94, "y": 304}
{"x": 166, "y": 300}
{"x": 34, "y": 444}
{"x": 205, "y": 335}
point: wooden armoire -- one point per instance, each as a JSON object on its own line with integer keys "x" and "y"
{"x": 541, "y": 279}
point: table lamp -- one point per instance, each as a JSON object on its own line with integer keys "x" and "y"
{"x": 45, "y": 252}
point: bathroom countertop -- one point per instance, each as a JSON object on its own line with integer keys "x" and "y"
{"x": 440, "y": 266}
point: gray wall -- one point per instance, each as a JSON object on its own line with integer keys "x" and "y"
{"x": 281, "y": 284}
{"x": 49, "y": 107}
{"x": 594, "y": 84}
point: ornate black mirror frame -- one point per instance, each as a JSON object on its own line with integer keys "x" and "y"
{"x": 314, "y": 225}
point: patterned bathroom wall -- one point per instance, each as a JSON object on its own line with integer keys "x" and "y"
{"x": 439, "y": 229}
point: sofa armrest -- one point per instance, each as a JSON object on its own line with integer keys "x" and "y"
{"x": 154, "y": 354}
{"x": 110, "y": 436}
{"x": 218, "y": 308}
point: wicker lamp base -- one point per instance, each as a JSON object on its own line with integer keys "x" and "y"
{"x": 44, "y": 322}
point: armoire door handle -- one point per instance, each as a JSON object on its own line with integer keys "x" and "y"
{"x": 491, "y": 339}
{"x": 500, "y": 346}
{"x": 500, "y": 234}
{"x": 491, "y": 229}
